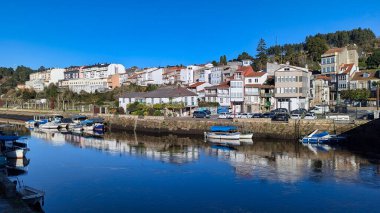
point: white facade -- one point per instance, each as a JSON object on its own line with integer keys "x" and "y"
{"x": 187, "y": 74}
{"x": 87, "y": 85}
{"x": 216, "y": 75}
{"x": 102, "y": 71}
{"x": 36, "y": 85}
{"x": 256, "y": 78}
{"x": 56, "y": 75}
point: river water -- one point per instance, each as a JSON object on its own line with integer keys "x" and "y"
{"x": 140, "y": 173}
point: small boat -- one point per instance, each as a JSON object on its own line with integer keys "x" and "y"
{"x": 49, "y": 125}
{"x": 14, "y": 149}
{"x": 223, "y": 136}
{"x": 65, "y": 122}
{"x": 76, "y": 128}
{"x": 321, "y": 138}
{"x": 246, "y": 136}
{"x": 33, "y": 197}
{"x": 223, "y": 132}
{"x": 8, "y": 137}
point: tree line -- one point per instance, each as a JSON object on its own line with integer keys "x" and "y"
{"x": 309, "y": 52}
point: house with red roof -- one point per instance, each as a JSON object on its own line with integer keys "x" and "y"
{"x": 334, "y": 58}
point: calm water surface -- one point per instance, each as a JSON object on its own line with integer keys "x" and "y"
{"x": 129, "y": 173}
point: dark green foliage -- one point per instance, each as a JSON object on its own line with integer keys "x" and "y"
{"x": 373, "y": 61}
{"x": 244, "y": 56}
{"x": 223, "y": 60}
{"x": 261, "y": 56}
{"x": 315, "y": 47}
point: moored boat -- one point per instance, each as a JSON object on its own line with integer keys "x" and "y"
{"x": 321, "y": 138}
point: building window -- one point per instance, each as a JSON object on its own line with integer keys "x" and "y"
{"x": 249, "y": 80}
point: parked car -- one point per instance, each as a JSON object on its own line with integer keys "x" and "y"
{"x": 300, "y": 111}
{"x": 268, "y": 115}
{"x": 280, "y": 110}
{"x": 281, "y": 117}
{"x": 320, "y": 109}
{"x": 225, "y": 115}
{"x": 242, "y": 115}
{"x": 310, "y": 116}
{"x": 207, "y": 111}
{"x": 257, "y": 115}
{"x": 200, "y": 114}
{"x": 296, "y": 116}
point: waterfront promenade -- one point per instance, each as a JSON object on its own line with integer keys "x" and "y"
{"x": 262, "y": 128}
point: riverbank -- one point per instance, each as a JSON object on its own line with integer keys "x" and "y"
{"x": 262, "y": 128}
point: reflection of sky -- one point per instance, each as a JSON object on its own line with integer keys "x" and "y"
{"x": 88, "y": 174}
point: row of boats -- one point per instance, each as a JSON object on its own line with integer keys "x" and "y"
{"x": 75, "y": 123}
{"x": 231, "y": 136}
{"x": 14, "y": 163}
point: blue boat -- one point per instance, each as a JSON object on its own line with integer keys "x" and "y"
{"x": 223, "y": 128}
{"x": 8, "y": 137}
{"x": 321, "y": 138}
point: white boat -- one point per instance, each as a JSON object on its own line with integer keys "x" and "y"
{"x": 16, "y": 152}
{"x": 49, "y": 125}
{"x": 76, "y": 128}
{"x": 224, "y": 142}
{"x": 223, "y": 135}
{"x": 15, "y": 149}
{"x": 246, "y": 136}
{"x": 246, "y": 141}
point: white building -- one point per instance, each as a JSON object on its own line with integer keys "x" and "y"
{"x": 56, "y": 75}
{"x": 161, "y": 96}
{"x": 292, "y": 87}
{"x": 87, "y": 85}
{"x": 101, "y": 71}
{"x": 151, "y": 76}
{"x": 187, "y": 74}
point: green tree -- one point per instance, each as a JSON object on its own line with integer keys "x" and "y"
{"x": 316, "y": 46}
{"x": 373, "y": 61}
{"x": 261, "y": 56}
{"x": 244, "y": 56}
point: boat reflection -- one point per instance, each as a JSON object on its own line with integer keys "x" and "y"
{"x": 17, "y": 167}
{"x": 274, "y": 161}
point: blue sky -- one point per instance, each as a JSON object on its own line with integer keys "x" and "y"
{"x": 161, "y": 32}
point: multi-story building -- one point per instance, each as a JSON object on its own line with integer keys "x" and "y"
{"x": 86, "y": 85}
{"x": 333, "y": 59}
{"x": 172, "y": 75}
{"x": 101, "y": 71}
{"x": 199, "y": 89}
{"x": 216, "y": 75}
{"x": 72, "y": 73}
{"x": 253, "y": 82}
{"x": 187, "y": 74}
{"x": 321, "y": 90}
{"x": 237, "y": 90}
{"x": 292, "y": 87}
{"x": 151, "y": 76}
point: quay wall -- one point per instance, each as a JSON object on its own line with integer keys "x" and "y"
{"x": 262, "y": 128}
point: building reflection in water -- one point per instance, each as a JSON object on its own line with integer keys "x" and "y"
{"x": 275, "y": 161}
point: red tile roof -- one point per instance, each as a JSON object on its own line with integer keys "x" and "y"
{"x": 255, "y": 74}
{"x": 224, "y": 85}
{"x": 323, "y": 77}
{"x": 359, "y": 76}
{"x": 333, "y": 50}
{"x": 346, "y": 68}
{"x": 246, "y": 70}
{"x": 196, "y": 84}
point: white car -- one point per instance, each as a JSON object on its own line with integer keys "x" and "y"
{"x": 310, "y": 116}
{"x": 296, "y": 116}
{"x": 225, "y": 115}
